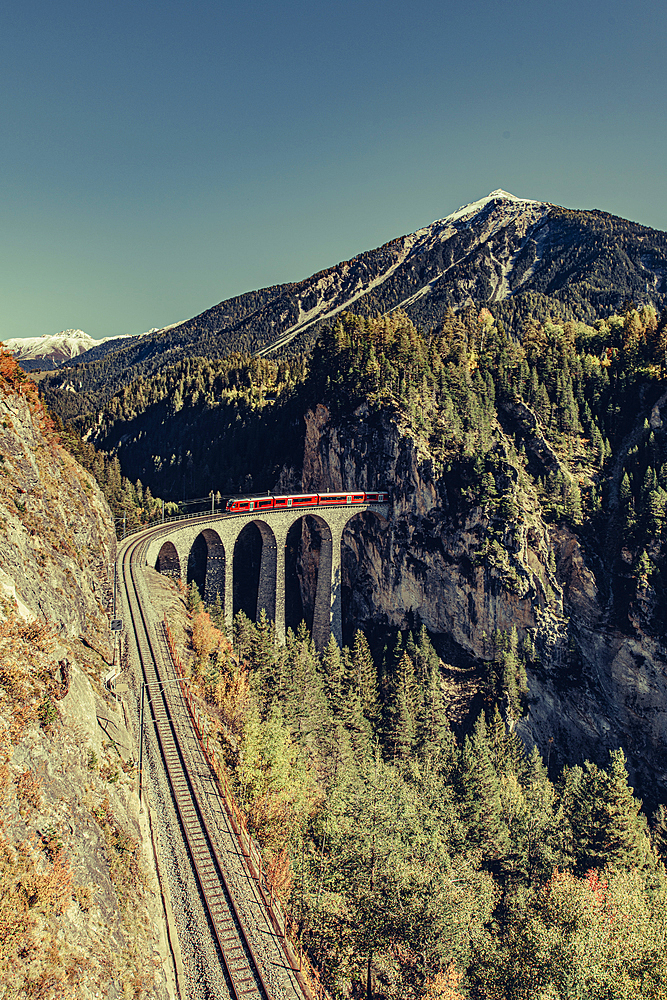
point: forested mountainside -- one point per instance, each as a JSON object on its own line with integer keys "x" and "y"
{"x": 415, "y": 865}
{"x": 79, "y": 912}
{"x": 429, "y": 865}
{"x": 531, "y": 258}
{"x": 529, "y": 484}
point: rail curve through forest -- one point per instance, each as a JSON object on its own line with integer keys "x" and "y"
{"x": 253, "y": 961}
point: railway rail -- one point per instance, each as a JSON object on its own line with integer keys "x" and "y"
{"x": 205, "y": 827}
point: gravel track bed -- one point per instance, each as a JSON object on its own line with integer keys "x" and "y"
{"x": 203, "y": 975}
{"x": 267, "y": 947}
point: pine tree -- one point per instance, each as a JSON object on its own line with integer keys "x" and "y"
{"x": 334, "y": 674}
{"x": 218, "y": 613}
{"x": 659, "y": 831}
{"x": 244, "y": 634}
{"x": 386, "y": 679}
{"x": 626, "y": 490}
{"x": 302, "y": 691}
{"x": 478, "y": 794}
{"x": 626, "y": 829}
{"x": 365, "y": 677}
{"x": 401, "y": 735}
{"x": 655, "y": 511}
{"x": 604, "y": 819}
{"x": 433, "y": 734}
{"x": 194, "y": 601}
{"x": 495, "y": 732}
{"x": 573, "y": 501}
{"x": 543, "y": 405}
{"x": 650, "y": 482}
{"x": 513, "y": 679}
{"x": 487, "y": 491}
{"x": 263, "y": 655}
{"x": 538, "y": 833}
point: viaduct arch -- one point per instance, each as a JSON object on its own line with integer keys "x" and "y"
{"x": 204, "y": 551}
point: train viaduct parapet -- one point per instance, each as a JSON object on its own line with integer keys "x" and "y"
{"x": 170, "y": 553}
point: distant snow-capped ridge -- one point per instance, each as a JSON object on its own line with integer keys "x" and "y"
{"x": 161, "y": 329}
{"x": 56, "y": 347}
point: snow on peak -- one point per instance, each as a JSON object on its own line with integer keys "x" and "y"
{"x": 74, "y": 341}
{"x": 71, "y": 335}
{"x": 63, "y": 346}
{"x": 162, "y": 329}
{"x": 476, "y": 206}
{"x": 499, "y": 193}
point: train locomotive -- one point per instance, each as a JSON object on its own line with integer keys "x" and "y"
{"x": 305, "y": 500}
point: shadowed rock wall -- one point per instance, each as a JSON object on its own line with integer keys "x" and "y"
{"x": 595, "y": 687}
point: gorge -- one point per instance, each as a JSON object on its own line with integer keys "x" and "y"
{"x": 501, "y": 687}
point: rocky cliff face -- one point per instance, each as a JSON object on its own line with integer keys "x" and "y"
{"x": 80, "y": 914}
{"x": 57, "y": 528}
{"x": 600, "y": 687}
{"x": 432, "y": 565}
{"x": 443, "y": 562}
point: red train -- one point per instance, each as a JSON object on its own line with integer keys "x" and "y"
{"x": 304, "y": 500}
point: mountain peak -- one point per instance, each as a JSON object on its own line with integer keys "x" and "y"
{"x": 477, "y": 206}
{"x": 71, "y": 335}
{"x": 499, "y": 193}
{"x": 49, "y": 349}
{"x": 497, "y": 248}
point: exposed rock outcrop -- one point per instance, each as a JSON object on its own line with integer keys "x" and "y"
{"x": 57, "y": 529}
{"x": 446, "y": 563}
{"x": 434, "y": 564}
{"x": 81, "y": 915}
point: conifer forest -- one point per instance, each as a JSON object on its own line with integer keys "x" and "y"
{"x": 422, "y": 858}
{"x": 416, "y": 864}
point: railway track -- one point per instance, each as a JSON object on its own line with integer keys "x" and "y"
{"x": 203, "y": 828}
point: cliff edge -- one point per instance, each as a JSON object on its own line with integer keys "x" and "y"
{"x": 79, "y": 911}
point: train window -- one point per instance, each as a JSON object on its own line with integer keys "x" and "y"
{"x": 358, "y": 497}
{"x": 263, "y": 504}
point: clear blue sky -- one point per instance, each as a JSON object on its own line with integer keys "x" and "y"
{"x": 157, "y": 158}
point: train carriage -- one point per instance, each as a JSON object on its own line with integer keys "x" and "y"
{"x": 304, "y": 500}
{"x": 326, "y": 499}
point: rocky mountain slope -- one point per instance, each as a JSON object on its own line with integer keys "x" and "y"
{"x": 79, "y": 911}
{"x": 524, "y": 255}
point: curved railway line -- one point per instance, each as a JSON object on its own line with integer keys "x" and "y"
{"x": 251, "y": 956}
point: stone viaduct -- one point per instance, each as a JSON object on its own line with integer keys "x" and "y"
{"x": 170, "y": 552}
